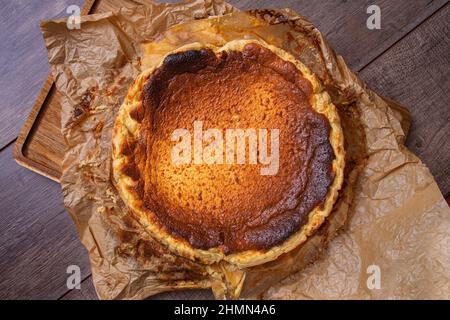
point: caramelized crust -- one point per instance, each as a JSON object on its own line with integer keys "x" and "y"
{"x": 228, "y": 207}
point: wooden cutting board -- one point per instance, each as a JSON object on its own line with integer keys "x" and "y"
{"x": 40, "y": 145}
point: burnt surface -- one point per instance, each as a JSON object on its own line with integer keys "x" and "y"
{"x": 81, "y": 110}
{"x": 231, "y": 206}
{"x": 178, "y": 63}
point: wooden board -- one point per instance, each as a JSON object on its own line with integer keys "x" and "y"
{"x": 40, "y": 145}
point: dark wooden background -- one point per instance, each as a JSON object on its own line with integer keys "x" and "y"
{"x": 407, "y": 60}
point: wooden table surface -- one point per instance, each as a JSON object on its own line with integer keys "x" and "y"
{"x": 407, "y": 60}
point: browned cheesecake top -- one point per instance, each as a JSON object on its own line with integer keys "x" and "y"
{"x": 228, "y": 204}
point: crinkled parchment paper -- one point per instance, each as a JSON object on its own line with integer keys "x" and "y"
{"x": 396, "y": 242}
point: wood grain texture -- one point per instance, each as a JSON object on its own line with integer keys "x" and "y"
{"x": 23, "y": 59}
{"x": 38, "y": 240}
{"x": 86, "y": 291}
{"x": 416, "y": 73}
{"x": 41, "y": 145}
{"x": 343, "y": 22}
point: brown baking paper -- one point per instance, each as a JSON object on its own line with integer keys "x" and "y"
{"x": 396, "y": 241}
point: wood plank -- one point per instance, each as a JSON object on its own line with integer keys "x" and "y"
{"x": 48, "y": 120}
{"x": 415, "y": 72}
{"x": 38, "y": 240}
{"x": 23, "y": 59}
{"x": 39, "y": 144}
{"x": 344, "y": 23}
